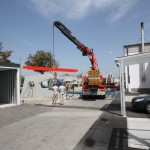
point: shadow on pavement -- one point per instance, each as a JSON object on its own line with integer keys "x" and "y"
{"x": 66, "y": 106}
{"x": 115, "y": 108}
{"x": 105, "y": 135}
{"x": 119, "y": 140}
{"x": 109, "y": 131}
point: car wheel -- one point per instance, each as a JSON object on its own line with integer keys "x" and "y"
{"x": 147, "y": 108}
{"x": 102, "y": 96}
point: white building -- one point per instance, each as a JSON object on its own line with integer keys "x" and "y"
{"x": 137, "y": 76}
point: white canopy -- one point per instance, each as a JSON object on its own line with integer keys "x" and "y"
{"x": 121, "y": 62}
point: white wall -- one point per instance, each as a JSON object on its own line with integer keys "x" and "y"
{"x": 37, "y": 91}
{"x": 139, "y": 77}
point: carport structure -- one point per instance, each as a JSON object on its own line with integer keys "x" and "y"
{"x": 9, "y": 83}
{"x": 121, "y": 62}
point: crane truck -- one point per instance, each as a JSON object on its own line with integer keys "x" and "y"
{"x": 92, "y": 85}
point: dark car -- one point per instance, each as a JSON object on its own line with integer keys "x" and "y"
{"x": 141, "y": 103}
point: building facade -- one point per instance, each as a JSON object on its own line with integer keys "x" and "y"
{"x": 137, "y": 76}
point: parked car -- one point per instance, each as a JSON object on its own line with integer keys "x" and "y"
{"x": 141, "y": 103}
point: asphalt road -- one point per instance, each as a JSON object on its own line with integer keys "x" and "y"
{"x": 46, "y": 126}
{"x": 78, "y": 125}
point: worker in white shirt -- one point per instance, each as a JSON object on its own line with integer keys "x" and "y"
{"x": 55, "y": 94}
{"x": 62, "y": 90}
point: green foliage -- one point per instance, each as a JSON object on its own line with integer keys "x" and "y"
{"x": 4, "y": 55}
{"x": 41, "y": 59}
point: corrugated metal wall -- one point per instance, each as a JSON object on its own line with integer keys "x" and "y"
{"x": 8, "y": 86}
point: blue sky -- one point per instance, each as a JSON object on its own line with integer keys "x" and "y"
{"x": 104, "y": 25}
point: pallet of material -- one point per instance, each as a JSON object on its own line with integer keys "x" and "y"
{"x": 93, "y": 73}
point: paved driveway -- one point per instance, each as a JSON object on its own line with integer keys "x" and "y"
{"x": 78, "y": 125}
{"x": 46, "y": 126}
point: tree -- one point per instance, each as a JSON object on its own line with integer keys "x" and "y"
{"x": 41, "y": 59}
{"x": 4, "y": 55}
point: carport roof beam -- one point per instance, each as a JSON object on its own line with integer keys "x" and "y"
{"x": 133, "y": 59}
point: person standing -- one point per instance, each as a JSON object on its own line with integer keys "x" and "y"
{"x": 62, "y": 90}
{"x": 55, "y": 94}
{"x": 67, "y": 86}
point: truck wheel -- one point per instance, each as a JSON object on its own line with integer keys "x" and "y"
{"x": 147, "y": 108}
{"x": 102, "y": 96}
{"x": 84, "y": 97}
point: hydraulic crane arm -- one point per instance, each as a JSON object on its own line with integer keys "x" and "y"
{"x": 85, "y": 50}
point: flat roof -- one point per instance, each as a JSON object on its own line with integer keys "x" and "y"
{"x": 4, "y": 64}
{"x": 139, "y": 44}
{"x": 8, "y": 66}
{"x": 133, "y": 59}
